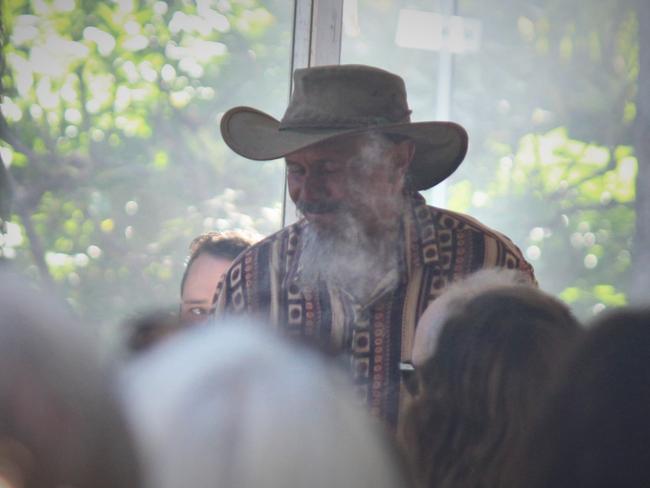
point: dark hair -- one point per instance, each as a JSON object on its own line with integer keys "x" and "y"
{"x": 226, "y": 245}
{"x": 147, "y": 328}
{"x": 479, "y": 389}
{"x": 595, "y": 430}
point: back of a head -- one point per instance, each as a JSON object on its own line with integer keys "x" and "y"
{"x": 479, "y": 390}
{"x": 148, "y": 328}
{"x": 59, "y": 420}
{"x": 454, "y": 298}
{"x": 595, "y": 430}
{"x": 231, "y": 405}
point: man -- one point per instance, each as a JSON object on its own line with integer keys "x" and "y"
{"x": 211, "y": 254}
{"x": 355, "y": 274}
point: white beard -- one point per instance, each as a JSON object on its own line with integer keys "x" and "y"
{"x": 344, "y": 256}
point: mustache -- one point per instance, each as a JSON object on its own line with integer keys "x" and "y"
{"x": 319, "y": 207}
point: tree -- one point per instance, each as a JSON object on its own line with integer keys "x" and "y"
{"x": 641, "y": 251}
{"x": 5, "y": 185}
{"x": 111, "y": 130}
{"x": 549, "y": 104}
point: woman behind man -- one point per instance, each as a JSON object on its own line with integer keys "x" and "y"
{"x": 210, "y": 257}
{"x": 495, "y": 352}
{"x": 211, "y": 254}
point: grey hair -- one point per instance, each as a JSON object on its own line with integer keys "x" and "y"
{"x": 231, "y": 405}
{"x": 454, "y": 298}
{"x": 375, "y": 144}
{"x": 379, "y": 143}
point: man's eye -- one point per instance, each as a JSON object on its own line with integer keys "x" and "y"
{"x": 198, "y": 311}
{"x": 294, "y": 169}
{"x": 331, "y": 167}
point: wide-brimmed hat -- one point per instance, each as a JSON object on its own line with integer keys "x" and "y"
{"x": 334, "y": 101}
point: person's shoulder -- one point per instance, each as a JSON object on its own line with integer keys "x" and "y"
{"x": 257, "y": 256}
{"x": 263, "y": 245}
{"x": 499, "y": 249}
{"x": 449, "y": 219}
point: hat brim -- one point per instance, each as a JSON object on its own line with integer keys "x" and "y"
{"x": 440, "y": 147}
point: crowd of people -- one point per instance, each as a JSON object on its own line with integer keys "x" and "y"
{"x": 507, "y": 390}
{"x": 377, "y": 342}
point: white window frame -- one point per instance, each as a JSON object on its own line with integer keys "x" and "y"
{"x": 317, "y": 26}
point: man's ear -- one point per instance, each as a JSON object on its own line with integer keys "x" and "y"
{"x": 403, "y": 153}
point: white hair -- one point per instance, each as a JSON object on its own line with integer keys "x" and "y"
{"x": 454, "y": 298}
{"x": 233, "y": 406}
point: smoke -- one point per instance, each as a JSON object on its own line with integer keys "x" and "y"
{"x": 345, "y": 256}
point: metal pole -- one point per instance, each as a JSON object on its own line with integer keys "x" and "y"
{"x": 327, "y": 24}
{"x": 443, "y": 97}
{"x": 317, "y": 26}
{"x": 300, "y": 49}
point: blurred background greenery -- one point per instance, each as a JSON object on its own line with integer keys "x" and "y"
{"x": 109, "y": 135}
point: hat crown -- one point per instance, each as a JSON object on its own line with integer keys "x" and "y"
{"x": 345, "y": 96}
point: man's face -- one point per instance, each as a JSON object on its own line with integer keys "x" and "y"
{"x": 201, "y": 282}
{"x": 359, "y": 175}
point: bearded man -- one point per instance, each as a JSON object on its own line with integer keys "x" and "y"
{"x": 355, "y": 274}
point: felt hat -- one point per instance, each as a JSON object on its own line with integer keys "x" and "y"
{"x": 341, "y": 100}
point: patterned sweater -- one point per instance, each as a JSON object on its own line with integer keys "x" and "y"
{"x": 439, "y": 247}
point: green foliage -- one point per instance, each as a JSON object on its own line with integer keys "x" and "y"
{"x": 569, "y": 205}
{"x": 113, "y": 142}
{"x": 549, "y": 102}
{"x": 554, "y": 160}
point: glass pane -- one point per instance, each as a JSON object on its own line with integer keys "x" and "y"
{"x": 116, "y": 153}
{"x": 546, "y": 91}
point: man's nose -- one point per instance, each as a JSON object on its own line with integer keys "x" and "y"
{"x": 314, "y": 188}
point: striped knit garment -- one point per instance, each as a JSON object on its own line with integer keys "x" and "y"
{"x": 439, "y": 247}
